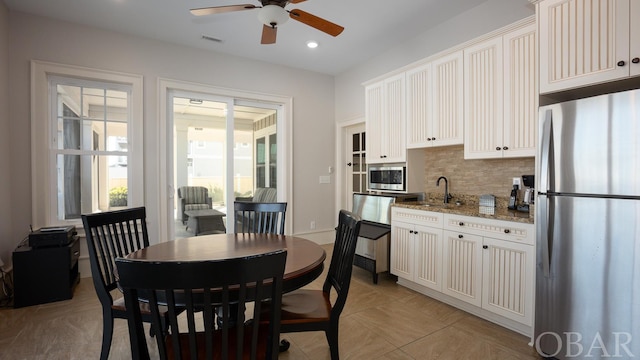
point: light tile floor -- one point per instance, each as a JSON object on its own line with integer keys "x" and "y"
{"x": 383, "y": 321}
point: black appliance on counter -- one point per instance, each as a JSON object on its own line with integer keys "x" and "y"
{"x": 372, "y": 249}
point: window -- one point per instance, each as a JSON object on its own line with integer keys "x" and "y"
{"x": 87, "y": 143}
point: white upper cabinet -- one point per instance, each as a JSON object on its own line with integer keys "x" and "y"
{"x": 500, "y": 98}
{"x": 385, "y": 120}
{"x": 587, "y": 42}
{"x": 435, "y": 102}
{"x": 520, "y": 92}
{"x": 483, "y": 100}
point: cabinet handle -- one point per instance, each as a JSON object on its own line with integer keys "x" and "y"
{"x": 635, "y": 60}
{"x": 461, "y": 223}
{"x": 621, "y": 63}
{"x": 505, "y": 148}
{"x": 433, "y": 138}
{"x": 506, "y": 231}
{"x": 485, "y": 246}
{"x": 428, "y": 139}
{"x": 460, "y": 236}
{"x": 498, "y": 148}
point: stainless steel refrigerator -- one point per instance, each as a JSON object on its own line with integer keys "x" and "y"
{"x": 587, "y": 228}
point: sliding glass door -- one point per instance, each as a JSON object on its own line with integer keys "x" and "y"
{"x": 222, "y": 149}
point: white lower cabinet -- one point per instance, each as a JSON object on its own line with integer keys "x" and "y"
{"x": 463, "y": 267}
{"x": 416, "y": 250}
{"x": 507, "y": 283}
{"x": 483, "y": 262}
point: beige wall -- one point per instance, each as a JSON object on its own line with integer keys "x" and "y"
{"x": 37, "y": 38}
{"x": 6, "y": 186}
{"x": 472, "y": 177}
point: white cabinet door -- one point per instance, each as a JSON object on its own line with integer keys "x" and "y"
{"x": 394, "y": 120}
{"x": 584, "y": 42}
{"x": 435, "y": 103}
{"x": 462, "y": 263}
{"x": 520, "y": 93}
{"x": 507, "y": 285}
{"x": 373, "y": 115}
{"x": 448, "y": 104}
{"x": 419, "y": 109}
{"x": 483, "y": 86}
{"x": 385, "y": 119}
{"x": 428, "y": 257}
{"x": 401, "y": 250}
{"x": 416, "y": 254}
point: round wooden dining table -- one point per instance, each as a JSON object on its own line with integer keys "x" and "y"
{"x": 305, "y": 259}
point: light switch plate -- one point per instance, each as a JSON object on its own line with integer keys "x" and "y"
{"x": 325, "y": 179}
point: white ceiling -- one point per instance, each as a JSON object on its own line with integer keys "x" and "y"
{"x": 371, "y": 26}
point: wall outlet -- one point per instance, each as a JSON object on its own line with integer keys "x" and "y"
{"x": 312, "y": 225}
{"x": 516, "y": 181}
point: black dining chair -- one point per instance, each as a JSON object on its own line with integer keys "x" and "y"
{"x": 255, "y": 217}
{"x": 110, "y": 235}
{"x": 313, "y": 310}
{"x": 203, "y": 286}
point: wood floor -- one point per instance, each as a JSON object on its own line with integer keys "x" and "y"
{"x": 383, "y": 321}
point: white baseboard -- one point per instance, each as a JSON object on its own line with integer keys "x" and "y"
{"x": 320, "y": 237}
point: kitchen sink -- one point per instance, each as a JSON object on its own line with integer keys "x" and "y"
{"x": 440, "y": 205}
{"x": 435, "y": 205}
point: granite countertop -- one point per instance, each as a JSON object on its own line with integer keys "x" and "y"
{"x": 470, "y": 208}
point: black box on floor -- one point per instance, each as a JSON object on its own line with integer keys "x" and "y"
{"x": 42, "y": 275}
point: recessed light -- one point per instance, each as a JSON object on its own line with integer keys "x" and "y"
{"x": 312, "y": 44}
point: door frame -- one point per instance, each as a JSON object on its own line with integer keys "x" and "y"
{"x": 341, "y": 144}
{"x": 166, "y": 188}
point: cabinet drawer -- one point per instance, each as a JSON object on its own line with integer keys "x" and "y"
{"x": 417, "y": 217}
{"x": 497, "y": 229}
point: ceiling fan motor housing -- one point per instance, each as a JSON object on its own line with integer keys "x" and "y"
{"x": 273, "y": 15}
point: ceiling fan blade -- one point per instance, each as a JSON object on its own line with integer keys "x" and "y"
{"x": 296, "y": 1}
{"x": 316, "y": 22}
{"x": 269, "y": 34}
{"x": 221, "y": 9}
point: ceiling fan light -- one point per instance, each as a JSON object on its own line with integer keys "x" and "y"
{"x": 272, "y": 15}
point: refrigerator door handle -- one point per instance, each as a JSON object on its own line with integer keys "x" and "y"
{"x": 546, "y": 142}
{"x": 545, "y": 233}
{"x": 544, "y": 230}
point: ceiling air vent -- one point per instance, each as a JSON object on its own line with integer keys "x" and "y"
{"x": 211, "y": 38}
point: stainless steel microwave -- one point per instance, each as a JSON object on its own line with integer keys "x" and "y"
{"x": 391, "y": 177}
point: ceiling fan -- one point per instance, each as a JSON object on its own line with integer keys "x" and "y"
{"x": 273, "y": 14}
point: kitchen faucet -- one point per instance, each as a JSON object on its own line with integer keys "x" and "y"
{"x": 447, "y": 196}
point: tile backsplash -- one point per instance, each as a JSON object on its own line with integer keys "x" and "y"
{"x": 471, "y": 177}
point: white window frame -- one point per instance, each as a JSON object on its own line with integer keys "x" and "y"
{"x": 43, "y": 112}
